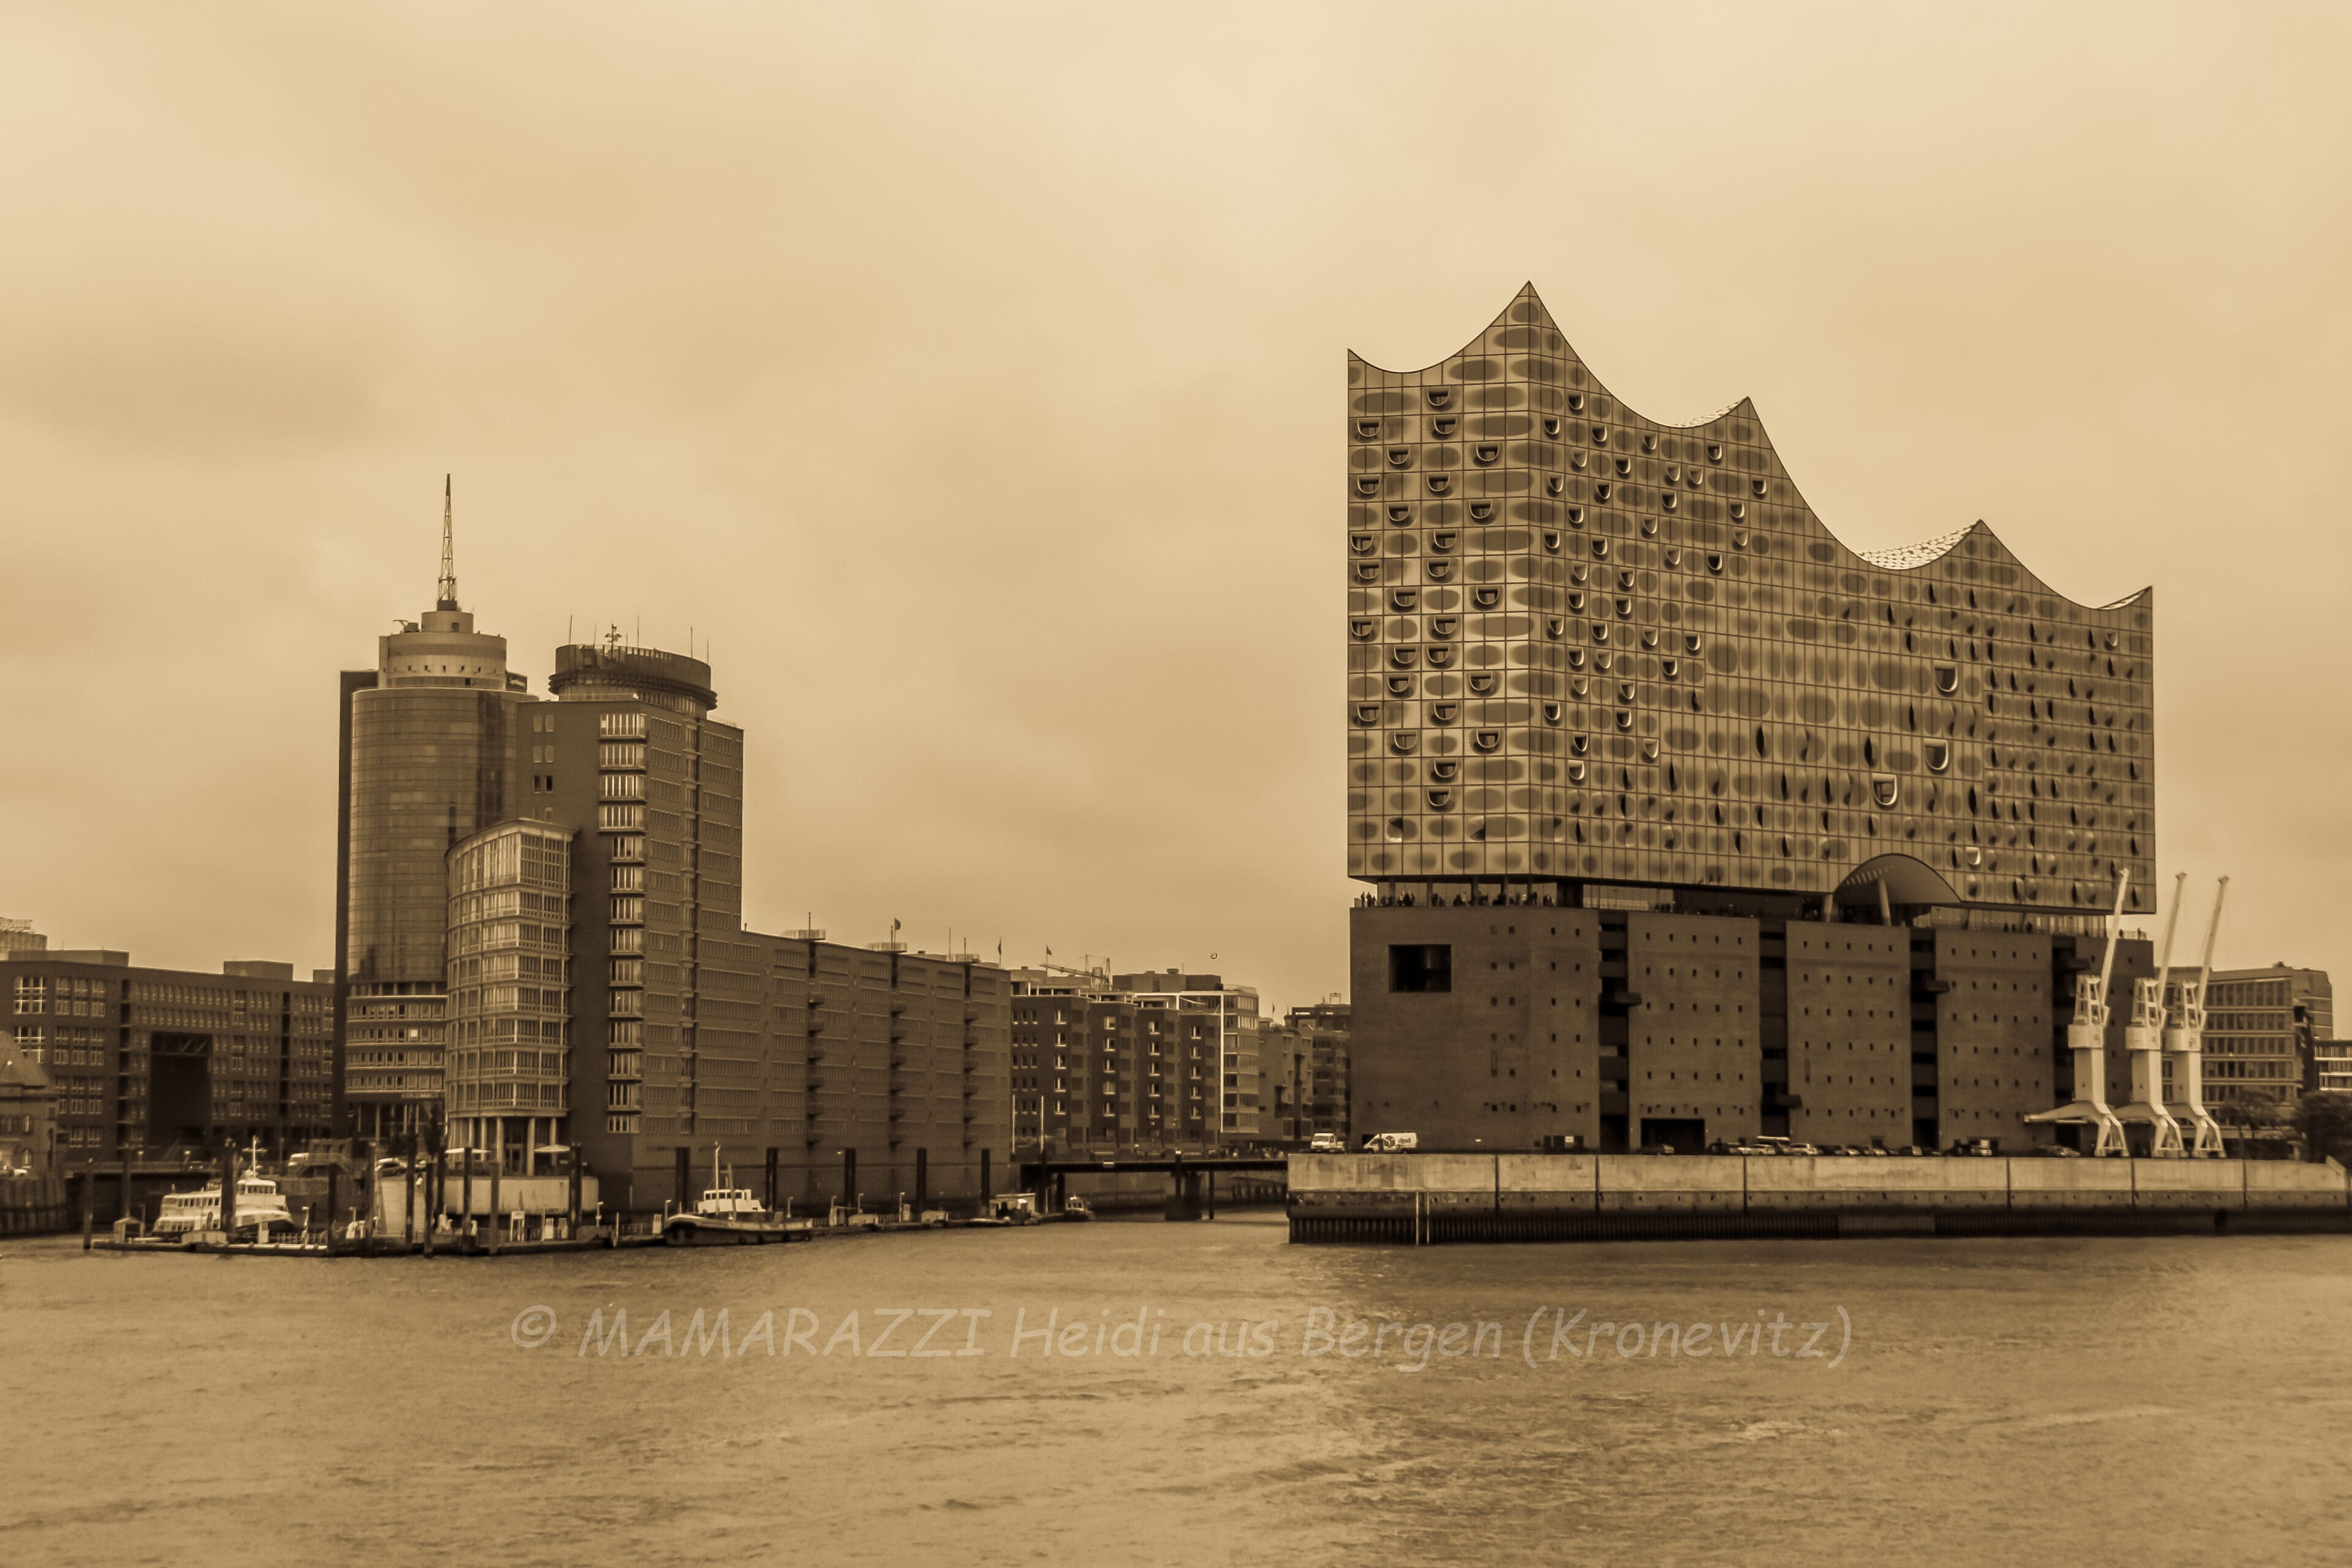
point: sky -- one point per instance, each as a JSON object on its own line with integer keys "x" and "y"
{"x": 971, "y": 379}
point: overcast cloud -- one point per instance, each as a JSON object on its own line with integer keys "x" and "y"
{"x": 971, "y": 377}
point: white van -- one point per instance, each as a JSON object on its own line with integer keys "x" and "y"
{"x": 1326, "y": 1143}
{"x": 1391, "y": 1143}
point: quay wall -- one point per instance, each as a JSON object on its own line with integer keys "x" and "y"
{"x": 1501, "y": 1197}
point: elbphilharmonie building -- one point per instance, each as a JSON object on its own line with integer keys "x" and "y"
{"x": 1681, "y": 821}
{"x": 1589, "y": 647}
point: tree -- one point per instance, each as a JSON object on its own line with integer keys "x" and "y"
{"x": 2251, "y": 1112}
{"x": 2324, "y": 1119}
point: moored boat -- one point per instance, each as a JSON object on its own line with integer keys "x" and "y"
{"x": 191, "y": 1216}
{"x": 732, "y": 1217}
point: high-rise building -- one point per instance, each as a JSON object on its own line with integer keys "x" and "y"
{"x": 609, "y": 999}
{"x": 433, "y": 751}
{"x": 2261, "y": 1027}
{"x": 1679, "y": 819}
{"x": 545, "y": 947}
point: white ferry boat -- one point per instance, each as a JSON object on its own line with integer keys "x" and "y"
{"x": 259, "y": 1209}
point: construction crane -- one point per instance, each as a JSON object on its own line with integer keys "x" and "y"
{"x": 2086, "y": 1037}
{"x": 2144, "y": 1042}
{"x": 2184, "y": 1044}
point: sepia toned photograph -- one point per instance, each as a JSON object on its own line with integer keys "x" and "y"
{"x": 1302, "y": 785}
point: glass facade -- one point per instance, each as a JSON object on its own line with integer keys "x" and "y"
{"x": 435, "y": 757}
{"x": 509, "y": 969}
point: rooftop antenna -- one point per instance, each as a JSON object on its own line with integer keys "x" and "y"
{"x": 446, "y": 599}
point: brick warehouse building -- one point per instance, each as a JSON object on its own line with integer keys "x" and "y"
{"x": 148, "y": 1060}
{"x": 1682, "y": 821}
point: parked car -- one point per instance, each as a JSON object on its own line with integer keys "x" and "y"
{"x": 1326, "y": 1143}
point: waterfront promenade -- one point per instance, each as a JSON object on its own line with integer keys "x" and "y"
{"x": 1426, "y": 1198}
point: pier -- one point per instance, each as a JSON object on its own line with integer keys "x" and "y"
{"x": 1424, "y": 1199}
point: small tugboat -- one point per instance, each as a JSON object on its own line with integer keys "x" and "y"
{"x": 1008, "y": 1208}
{"x": 732, "y": 1217}
{"x": 196, "y": 1215}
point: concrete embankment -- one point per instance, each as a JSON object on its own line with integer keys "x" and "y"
{"x": 1425, "y": 1198}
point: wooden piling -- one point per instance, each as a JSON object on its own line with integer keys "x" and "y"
{"x": 408, "y": 1192}
{"x": 498, "y": 1219}
{"x": 228, "y": 1190}
{"x": 433, "y": 1180}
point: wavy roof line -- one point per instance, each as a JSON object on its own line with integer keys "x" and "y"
{"x": 1904, "y": 557}
{"x": 1900, "y": 558}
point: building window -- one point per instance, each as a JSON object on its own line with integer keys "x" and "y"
{"x": 1426, "y": 967}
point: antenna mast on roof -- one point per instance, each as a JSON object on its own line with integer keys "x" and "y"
{"x": 446, "y": 599}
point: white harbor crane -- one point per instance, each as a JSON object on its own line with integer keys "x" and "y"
{"x": 2184, "y": 1044}
{"x": 2144, "y": 1041}
{"x": 2086, "y": 1037}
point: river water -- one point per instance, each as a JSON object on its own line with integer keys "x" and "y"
{"x": 2142, "y": 1401}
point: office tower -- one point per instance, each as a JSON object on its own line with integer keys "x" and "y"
{"x": 845, "y": 1071}
{"x": 1678, "y": 819}
{"x": 651, "y": 786}
{"x": 553, "y": 892}
{"x": 432, "y": 753}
